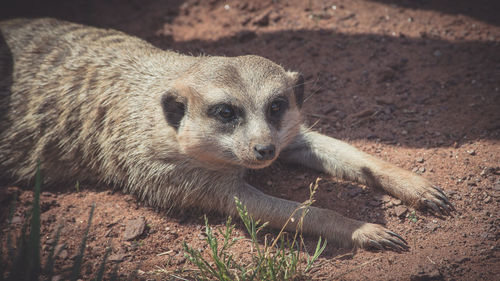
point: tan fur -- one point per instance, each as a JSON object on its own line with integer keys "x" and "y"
{"x": 95, "y": 104}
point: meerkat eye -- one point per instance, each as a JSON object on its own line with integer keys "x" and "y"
{"x": 226, "y": 112}
{"x": 277, "y": 107}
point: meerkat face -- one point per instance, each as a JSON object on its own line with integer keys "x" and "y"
{"x": 235, "y": 111}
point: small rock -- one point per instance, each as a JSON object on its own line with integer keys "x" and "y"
{"x": 437, "y": 53}
{"x": 57, "y": 278}
{"x": 420, "y": 160}
{"x": 179, "y": 259}
{"x": 422, "y": 170}
{"x": 354, "y": 192}
{"x": 426, "y": 273}
{"x": 47, "y": 218}
{"x": 47, "y": 205}
{"x": 117, "y": 257}
{"x": 471, "y": 183}
{"x": 17, "y": 220}
{"x": 134, "y": 228}
{"x": 262, "y": 19}
{"x": 471, "y": 152}
{"x": 496, "y": 194}
{"x": 395, "y": 202}
{"x": 385, "y": 198}
{"x": 46, "y": 194}
{"x": 63, "y": 254}
{"x": 432, "y": 226}
{"x": 400, "y": 211}
{"x": 487, "y": 199}
{"x": 486, "y": 171}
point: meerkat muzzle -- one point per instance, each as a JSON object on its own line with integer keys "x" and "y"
{"x": 264, "y": 152}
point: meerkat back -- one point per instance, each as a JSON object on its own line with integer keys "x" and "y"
{"x": 59, "y": 89}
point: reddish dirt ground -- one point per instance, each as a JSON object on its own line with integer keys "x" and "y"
{"x": 413, "y": 82}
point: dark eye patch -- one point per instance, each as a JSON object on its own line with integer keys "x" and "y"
{"x": 173, "y": 109}
{"x": 277, "y": 108}
{"x": 224, "y": 112}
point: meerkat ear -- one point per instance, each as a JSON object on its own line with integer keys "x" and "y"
{"x": 174, "y": 108}
{"x": 298, "y": 88}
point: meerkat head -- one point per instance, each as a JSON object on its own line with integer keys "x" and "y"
{"x": 235, "y": 111}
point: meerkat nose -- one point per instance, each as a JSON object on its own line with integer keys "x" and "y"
{"x": 264, "y": 152}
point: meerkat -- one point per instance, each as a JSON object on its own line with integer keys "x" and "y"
{"x": 175, "y": 130}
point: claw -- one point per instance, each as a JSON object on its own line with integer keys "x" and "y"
{"x": 399, "y": 243}
{"x": 397, "y": 235}
{"x": 445, "y": 208}
{"x": 433, "y": 206}
{"x": 444, "y": 198}
{"x": 452, "y": 207}
{"x": 376, "y": 244}
{"x": 440, "y": 190}
{"x": 389, "y": 245}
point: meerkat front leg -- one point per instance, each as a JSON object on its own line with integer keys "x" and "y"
{"x": 339, "y": 159}
{"x": 321, "y": 222}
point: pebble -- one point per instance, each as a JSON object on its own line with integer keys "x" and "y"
{"x": 471, "y": 183}
{"x": 437, "y": 53}
{"x": 58, "y": 277}
{"x": 396, "y": 202}
{"x": 17, "y": 220}
{"x": 486, "y": 171}
{"x": 63, "y": 254}
{"x": 385, "y": 198}
{"x": 400, "y": 211}
{"x": 426, "y": 272}
{"x": 432, "y": 226}
{"x": 471, "y": 152}
{"x": 179, "y": 259}
{"x": 420, "y": 160}
{"x": 117, "y": 257}
{"x": 134, "y": 228}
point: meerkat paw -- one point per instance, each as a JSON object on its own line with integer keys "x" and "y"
{"x": 425, "y": 196}
{"x": 434, "y": 200}
{"x": 376, "y": 237}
